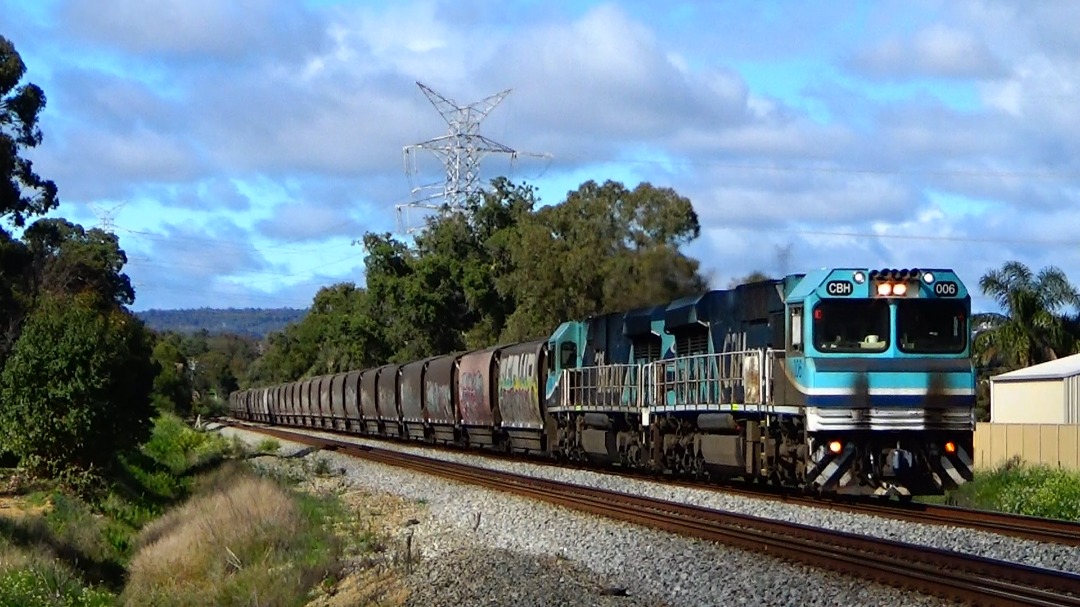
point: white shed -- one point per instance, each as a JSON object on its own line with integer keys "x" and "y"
{"x": 1048, "y": 393}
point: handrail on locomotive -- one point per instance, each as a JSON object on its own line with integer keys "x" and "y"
{"x": 741, "y": 377}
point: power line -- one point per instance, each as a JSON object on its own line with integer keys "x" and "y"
{"x": 220, "y": 241}
{"x": 139, "y": 261}
{"x": 905, "y": 236}
{"x": 757, "y": 229}
{"x": 990, "y": 173}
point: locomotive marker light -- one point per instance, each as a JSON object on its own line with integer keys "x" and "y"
{"x": 928, "y": 277}
{"x": 859, "y": 277}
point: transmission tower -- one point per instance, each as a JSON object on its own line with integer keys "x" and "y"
{"x": 106, "y": 215}
{"x": 460, "y": 150}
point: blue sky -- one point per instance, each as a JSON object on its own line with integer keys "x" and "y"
{"x": 252, "y": 142}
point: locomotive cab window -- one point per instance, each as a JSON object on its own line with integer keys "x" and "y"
{"x": 796, "y": 328}
{"x": 932, "y": 326}
{"x": 851, "y": 326}
{"x": 568, "y": 355}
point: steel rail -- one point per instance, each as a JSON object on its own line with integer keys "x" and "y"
{"x": 933, "y": 571}
{"x": 1003, "y": 523}
{"x": 1017, "y": 525}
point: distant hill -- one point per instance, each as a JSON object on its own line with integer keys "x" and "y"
{"x": 254, "y": 322}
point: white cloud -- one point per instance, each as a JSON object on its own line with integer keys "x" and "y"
{"x": 187, "y": 103}
{"x": 935, "y": 51}
{"x": 194, "y": 28}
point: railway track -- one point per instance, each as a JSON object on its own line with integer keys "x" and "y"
{"x": 1002, "y": 523}
{"x": 942, "y": 573}
{"x": 1014, "y": 525}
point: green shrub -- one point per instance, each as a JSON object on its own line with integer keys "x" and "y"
{"x": 76, "y": 388}
{"x": 178, "y": 446}
{"x": 76, "y": 525}
{"x": 268, "y": 445}
{"x": 211, "y": 406}
{"x": 66, "y": 537}
{"x": 39, "y": 582}
{"x": 1034, "y": 490}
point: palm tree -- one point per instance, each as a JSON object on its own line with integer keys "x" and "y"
{"x": 1032, "y": 330}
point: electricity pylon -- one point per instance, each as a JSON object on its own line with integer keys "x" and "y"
{"x": 460, "y": 150}
{"x": 106, "y": 215}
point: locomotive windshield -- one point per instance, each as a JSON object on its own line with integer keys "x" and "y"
{"x": 851, "y": 325}
{"x": 931, "y": 326}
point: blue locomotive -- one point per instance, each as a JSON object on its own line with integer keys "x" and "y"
{"x": 848, "y": 381}
{"x": 841, "y": 381}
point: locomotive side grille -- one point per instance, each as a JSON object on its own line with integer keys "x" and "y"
{"x": 646, "y": 348}
{"x": 692, "y": 341}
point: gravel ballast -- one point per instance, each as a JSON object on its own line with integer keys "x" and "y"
{"x": 959, "y": 539}
{"x": 482, "y": 547}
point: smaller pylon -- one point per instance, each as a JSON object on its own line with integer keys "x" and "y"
{"x": 106, "y": 215}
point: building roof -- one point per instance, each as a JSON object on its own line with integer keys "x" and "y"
{"x": 1055, "y": 369}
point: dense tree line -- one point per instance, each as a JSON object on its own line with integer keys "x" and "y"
{"x": 197, "y": 371}
{"x": 504, "y": 269}
{"x": 256, "y": 323}
{"x": 76, "y": 364}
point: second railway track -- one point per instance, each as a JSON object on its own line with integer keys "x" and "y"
{"x": 943, "y": 573}
{"x": 1013, "y": 525}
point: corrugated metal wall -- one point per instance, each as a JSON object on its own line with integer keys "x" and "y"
{"x": 1028, "y": 402}
{"x": 1050, "y": 444}
{"x": 1072, "y": 399}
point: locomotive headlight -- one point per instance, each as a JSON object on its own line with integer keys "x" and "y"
{"x": 884, "y": 288}
{"x": 950, "y": 447}
{"x": 859, "y": 277}
{"x": 899, "y": 289}
{"x": 928, "y": 277}
{"x": 836, "y": 446}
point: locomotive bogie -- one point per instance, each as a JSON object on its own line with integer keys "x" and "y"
{"x": 890, "y": 464}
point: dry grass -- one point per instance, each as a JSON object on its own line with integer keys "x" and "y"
{"x": 245, "y": 540}
{"x": 20, "y": 507}
{"x": 373, "y": 587}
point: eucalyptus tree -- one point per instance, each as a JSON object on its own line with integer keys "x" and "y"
{"x": 23, "y": 192}
{"x": 605, "y": 248}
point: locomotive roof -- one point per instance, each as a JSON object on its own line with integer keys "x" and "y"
{"x": 807, "y": 284}
{"x": 1054, "y": 369}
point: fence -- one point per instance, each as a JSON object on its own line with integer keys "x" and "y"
{"x": 1050, "y": 444}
